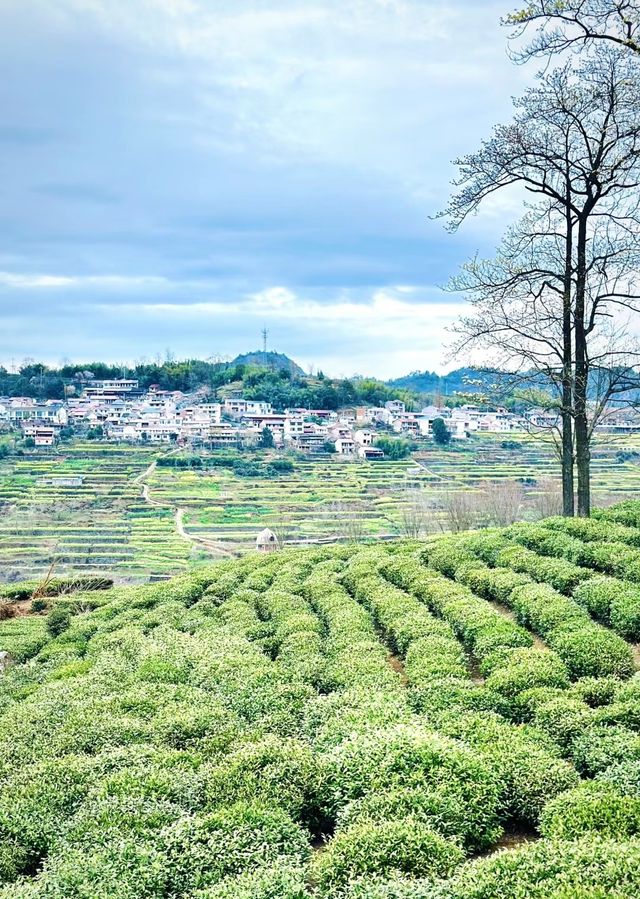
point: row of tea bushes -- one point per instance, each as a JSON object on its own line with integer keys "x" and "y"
{"x": 586, "y": 647}
{"x": 198, "y": 738}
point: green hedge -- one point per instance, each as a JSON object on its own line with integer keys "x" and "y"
{"x": 383, "y": 849}
{"x": 596, "y": 808}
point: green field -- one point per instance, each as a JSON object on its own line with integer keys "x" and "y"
{"x": 453, "y": 718}
{"x": 107, "y": 524}
{"x": 101, "y": 525}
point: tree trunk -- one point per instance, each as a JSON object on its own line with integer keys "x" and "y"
{"x": 583, "y": 455}
{"x": 568, "y": 503}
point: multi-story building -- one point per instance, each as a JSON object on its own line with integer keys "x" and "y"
{"x": 365, "y": 437}
{"x": 22, "y": 409}
{"x": 239, "y": 407}
{"x": 100, "y": 386}
{"x": 42, "y": 435}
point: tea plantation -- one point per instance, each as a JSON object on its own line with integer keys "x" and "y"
{"x": 457, "y": 718}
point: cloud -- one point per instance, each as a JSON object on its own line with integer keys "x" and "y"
{"x": 279, "y": 159}
{"x": 57, "y": 282}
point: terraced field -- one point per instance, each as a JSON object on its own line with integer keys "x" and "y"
{"x": 100, "y": 523}
{"x": 457, "y": 718}
{"x": 133, "y": 520}
{"x": 320, "y": 498}
{"x": 488, "y": 457}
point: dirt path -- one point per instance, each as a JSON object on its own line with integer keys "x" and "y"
{"x": 212, "y": 546}
{"x": 538, "y": 642}
{"x": 432, "y": 474}
{"x": 396, "y": 663}
{"x": 146, "y": 473}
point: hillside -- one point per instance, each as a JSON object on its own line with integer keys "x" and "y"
{"x": 460, "y": 381}
{"x": 270, "y": 360}
{"x": 364, "y": 721}
{"x": 501, "y": 386}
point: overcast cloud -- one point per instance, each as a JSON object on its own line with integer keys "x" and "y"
{"x": 179, "y": 173}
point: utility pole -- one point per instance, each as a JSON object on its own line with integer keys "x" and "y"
{"x": 265, "y": 334}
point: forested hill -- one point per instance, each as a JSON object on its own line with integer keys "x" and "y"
{"x": 272, "y": 360}
{"x": 283, "y": 386}
{"x": 462, "y": 380}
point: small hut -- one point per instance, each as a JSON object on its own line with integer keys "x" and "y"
{"x": 267, "y": 542}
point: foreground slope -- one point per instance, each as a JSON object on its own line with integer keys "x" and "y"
{"x": 456, "y": 718}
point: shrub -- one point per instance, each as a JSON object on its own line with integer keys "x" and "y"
{"x": 560, "y": 574}
{"x": 615, "y": 558}
{"x": 597, "y": 808}
{"x": 601, "y": 746}
{"x": 36, "y": 801}
{"x": 442, "y": 808}
{"x": 265, "y": 883}
{"x": 54, "y": 586}
{"x": 529, "y": 774}
{"x": 494, "y": 584}
{"x": 126, "y": 868}
{"x": 592, "y": 652}
{"x": 624, "y": 776}
{"x": 58, "y": 620}
{"x": 277, "y": 771}
{"x": 552, "y": 869}
{"x": 486, "y": 545}
{"x": 387, "y": 848}
{"x": 527, "y": 668}
{"x": 207, "y": 848}
{"x": 587, "y": 648}
{"x": 447, "y": 556}
{"x": 613, "y": 602}
{"x": 624, "y": 613}
{"x": 409, "y": 757}
{"x": 434, "y": 657}
{"x": 626, "y": 512}
{"x": 595, "y": 691}
{"x": 562, "y": 719}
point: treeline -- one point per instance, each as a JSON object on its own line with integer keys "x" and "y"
{"x": 242, "y": 467}
{"x": 278, "y": 387}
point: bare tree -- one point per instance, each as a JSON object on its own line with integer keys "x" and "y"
{"x": 414, "y": 514}
{"x": 574, "y": 144}
{"x": 460, "y": 510}
{"x": 348, "y": 519}
{"x": 546, "y": 499}
{"x": 283, "y": 525}
{"x": 560, "y": 25}
{"x": 502, "y": 502}
{"x": 519, "y": 313}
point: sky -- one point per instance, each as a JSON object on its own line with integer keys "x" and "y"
{"x": 177, "y": 175}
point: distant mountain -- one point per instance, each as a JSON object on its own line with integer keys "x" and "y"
{"x": 462, "y": 380}
{"x": 270, "y": 359}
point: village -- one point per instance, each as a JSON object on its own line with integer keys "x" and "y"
{"x": 117, "y": 410}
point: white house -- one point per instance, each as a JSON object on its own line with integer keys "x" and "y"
{"x": 239, "y": 407}
{"x": 365, "y": 437}
{"x": 294, "y": 426}
{"x": 41, "y": 434}
{"x": 27, "y": 409}
{"x": 370, "y": 452}
{"x": 100, "y": 386}
{"x": 346, "y": 446}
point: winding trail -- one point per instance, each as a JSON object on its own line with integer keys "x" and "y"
{"x": 212, "y": 546}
